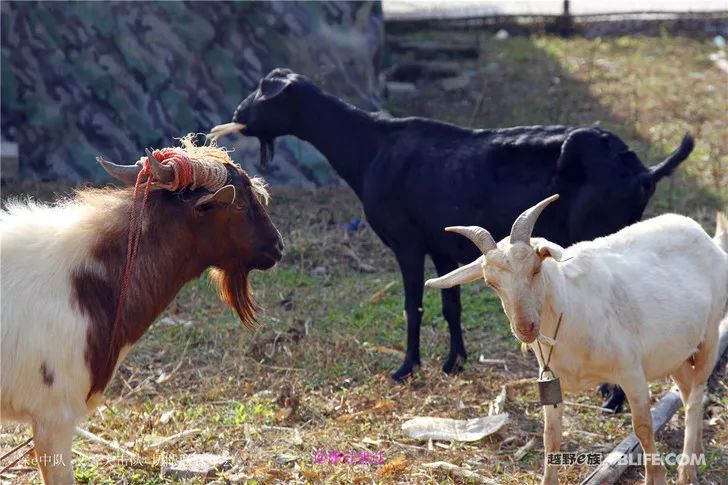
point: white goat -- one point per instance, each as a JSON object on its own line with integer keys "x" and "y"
{"x": 637, "y": 305}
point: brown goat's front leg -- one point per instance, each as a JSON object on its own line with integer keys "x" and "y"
{"x": 638, "y": 395}
{"x": 552, "y": 417}
{"x": 52, "y": 440}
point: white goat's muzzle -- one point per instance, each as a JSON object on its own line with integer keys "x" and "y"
{"x": 226, "y": 129}
{"x": 526, "y": 333}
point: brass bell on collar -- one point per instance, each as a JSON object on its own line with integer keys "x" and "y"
{"x": 549, "y": 388}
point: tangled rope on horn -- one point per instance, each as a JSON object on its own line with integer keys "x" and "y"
{"x": 194, "y": 166}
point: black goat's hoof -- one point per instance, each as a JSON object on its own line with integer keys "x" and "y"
{"x": 406, "y": 370}
{"x": 454, "y": 364}
{"x": 616, "y": 400}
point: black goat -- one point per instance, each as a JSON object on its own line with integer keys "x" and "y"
{"x": 415, "y": 176}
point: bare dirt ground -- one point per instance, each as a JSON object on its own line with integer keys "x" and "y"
{"x": 313, "y": 378}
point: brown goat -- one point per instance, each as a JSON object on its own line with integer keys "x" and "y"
{"x": 73, "y": 255}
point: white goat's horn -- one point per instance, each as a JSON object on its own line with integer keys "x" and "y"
{"x": 523, "y": 227}
{"x": 464, "y": 274}
{"x": 161, "y": 173}
{"x": 478, "y": 235}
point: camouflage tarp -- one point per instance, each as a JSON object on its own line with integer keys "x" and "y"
{"x": 89, "y": 78}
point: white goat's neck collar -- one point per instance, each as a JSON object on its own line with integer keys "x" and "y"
{"x": 552, "y": 310}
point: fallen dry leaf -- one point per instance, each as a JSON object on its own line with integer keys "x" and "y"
{"x": 381, "y": 406}
{"x": 387, "y": 350}
{"x": 311, "y": 474}
{"x": 282, "y": 414}
{"x": 394, "y": 467}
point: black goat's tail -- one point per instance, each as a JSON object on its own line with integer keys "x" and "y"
{"x": 667, "y": 166}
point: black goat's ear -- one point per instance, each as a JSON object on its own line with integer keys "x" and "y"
{"x": 272, "y": 87}
{"x": 223, "y": 197}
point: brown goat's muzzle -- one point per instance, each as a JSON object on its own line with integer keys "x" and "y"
{"x": 268, "y": 257}
{"x": 266, "y": 260}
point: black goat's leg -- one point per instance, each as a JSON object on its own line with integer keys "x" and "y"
{"x": 451, "y": 311}
{"x": 616, "y": 397}
{"x": 411, "y": 264}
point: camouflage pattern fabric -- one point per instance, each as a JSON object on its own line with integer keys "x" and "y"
{"x": 90, "y": 78}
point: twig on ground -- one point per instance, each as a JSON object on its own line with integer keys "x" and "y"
{"x": 379, "y": 295}
{"x": 96, "y": 439}
{"x": 523, "y": 450}
{"x": 175, "y": 437}
{"x": 459, "y": 471}
{"x": 402, "y": 445}
{"x": 165, "y": 377}
{"x": 589, "y": 406}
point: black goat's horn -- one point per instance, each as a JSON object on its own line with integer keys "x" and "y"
{"x": 523, "y": 227}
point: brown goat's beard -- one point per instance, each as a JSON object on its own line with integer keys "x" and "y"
{"x": 232, "y": 286}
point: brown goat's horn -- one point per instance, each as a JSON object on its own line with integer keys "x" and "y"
{"x": 478, "y": 235}
{"x": 124, "y": 173}
{"x": 161, "y": 173}
{"x": 523, "y": 227}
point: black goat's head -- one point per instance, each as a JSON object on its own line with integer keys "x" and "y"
{"x": 268, "y": 112}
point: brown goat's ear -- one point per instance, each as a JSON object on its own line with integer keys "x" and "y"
{"x": 223, "y": 197}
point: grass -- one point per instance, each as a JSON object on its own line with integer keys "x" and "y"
{"x": 314, "y": 376}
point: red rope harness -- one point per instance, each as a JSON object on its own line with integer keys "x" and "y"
{"x": 180, "y": 162}
{"x": 184, "y": 177}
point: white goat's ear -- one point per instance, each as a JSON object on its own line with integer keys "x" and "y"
{"x": 462, "y": 275}
{"x": 223, "y": 197}
{"x": 546, "y": 249}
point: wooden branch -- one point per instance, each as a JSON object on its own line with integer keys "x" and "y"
{"x": 175, "y": 437}
{"x": 96, "y": 439}
{"x": 610, "y": 469}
